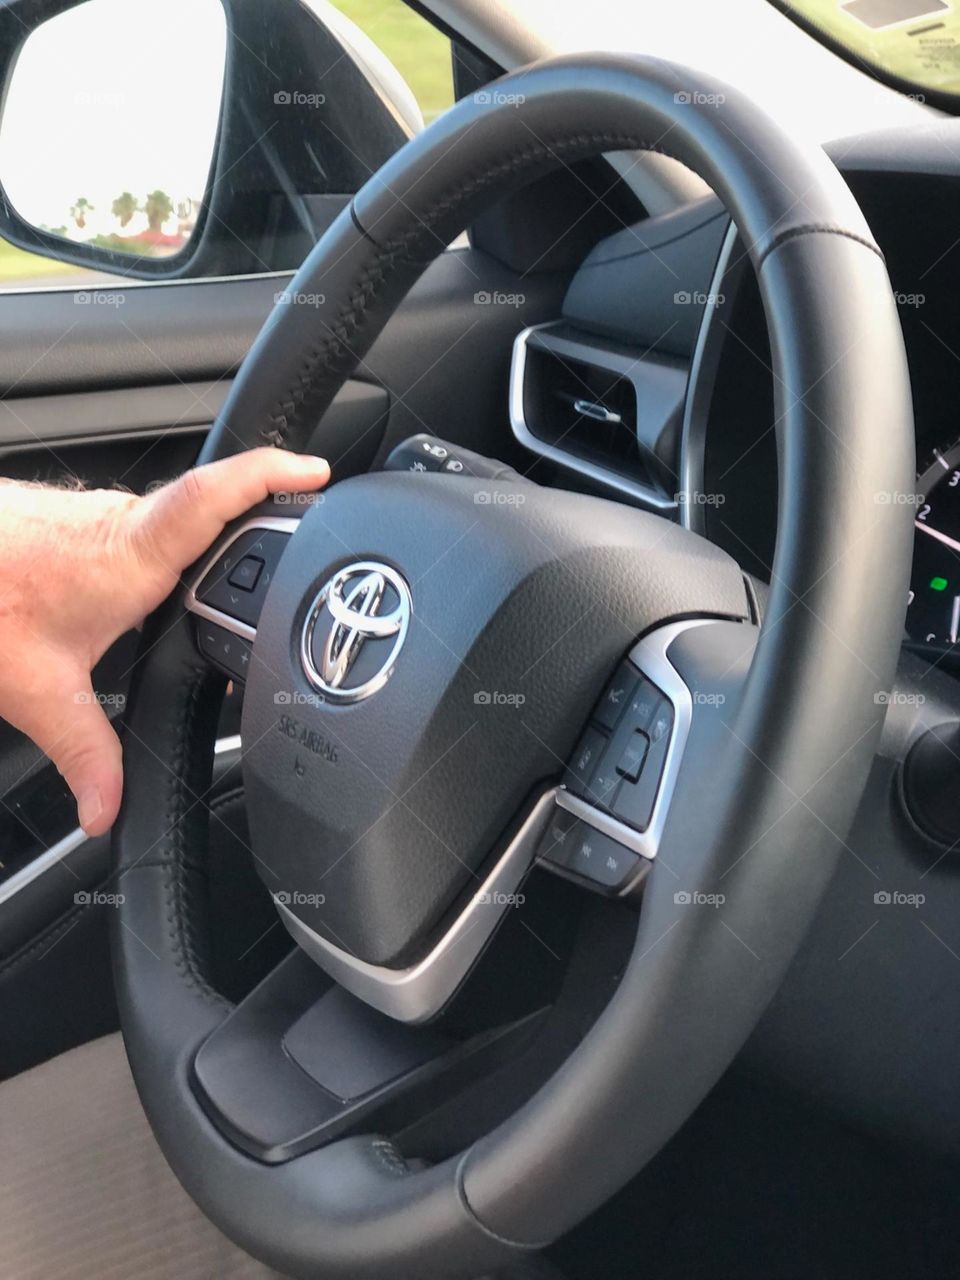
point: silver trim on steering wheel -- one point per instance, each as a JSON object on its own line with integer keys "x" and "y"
{"x": 281, "y": 524}
{"x": 419, "y": 992}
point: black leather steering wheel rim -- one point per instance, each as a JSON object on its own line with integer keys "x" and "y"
{"x": 689, "y": 998}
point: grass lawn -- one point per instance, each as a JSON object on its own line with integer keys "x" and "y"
{"x": 17, "y": 265}
{"x": 419, "y": 51}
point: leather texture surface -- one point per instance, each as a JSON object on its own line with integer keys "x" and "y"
{"x": 689, "y": 998}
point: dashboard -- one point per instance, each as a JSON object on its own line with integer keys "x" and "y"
{"x": 861, "y": 1022}
{"x": 739, "y": 455}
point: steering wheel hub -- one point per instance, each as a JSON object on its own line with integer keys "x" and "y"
{"x": 372, "y": 816}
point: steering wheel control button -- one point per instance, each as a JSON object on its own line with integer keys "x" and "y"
{"x": 247, "y": 573}
{"x": 237, "y": 582}
{"x": 616, "y": 696}
{"x": 630, "y": 764}
{"x": 428, "y": 453}
{"x": 354, "y": 631}
{"x": 644, "y": 704}
{"x": 602, "y": 861}
{"x": 635, "y": 800}
{"x": 585, "y": 760}
{"x": 225, "y": 648}
{"x": 557, "y": 841}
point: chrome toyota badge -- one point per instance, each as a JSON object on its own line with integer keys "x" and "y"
{"x": 354, "y": 631}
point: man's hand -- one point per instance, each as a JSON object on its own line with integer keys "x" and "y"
{"x": 78, "y": 569}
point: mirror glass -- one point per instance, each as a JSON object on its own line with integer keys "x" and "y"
{"x": 110, "y": 122}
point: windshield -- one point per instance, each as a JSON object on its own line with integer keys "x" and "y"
{"x": 914, "y": 42}
{"x": 749, "y": 43}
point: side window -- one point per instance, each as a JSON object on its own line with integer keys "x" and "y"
{"x": 293, "y": 104}
{"x": 420, "y": 53}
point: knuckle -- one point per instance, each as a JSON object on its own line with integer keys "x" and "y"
{"x": 192, "y": 486}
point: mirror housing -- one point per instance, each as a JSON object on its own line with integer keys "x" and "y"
{"x": 300, "y": 129}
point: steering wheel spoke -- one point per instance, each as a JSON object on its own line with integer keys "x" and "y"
{"x": 226, "y": 593}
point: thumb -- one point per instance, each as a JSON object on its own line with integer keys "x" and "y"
{"x": 79, "y": 739}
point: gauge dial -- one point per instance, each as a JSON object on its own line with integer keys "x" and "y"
{"x": 933, "y": 616}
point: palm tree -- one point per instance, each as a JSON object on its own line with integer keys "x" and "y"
{"x": 124, "y": 207}
{"x": 158, "y": 207}
{"x": 79, "y": 211}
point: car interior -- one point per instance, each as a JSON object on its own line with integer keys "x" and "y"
{"x": 538, "y": 854}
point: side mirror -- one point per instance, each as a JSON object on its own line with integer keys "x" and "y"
{"x": 107, "y": 138}
{"x": 197, "y": 137}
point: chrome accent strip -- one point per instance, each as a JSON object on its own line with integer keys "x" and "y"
{"x": 702, "y": 379}
{"x": 283, "y": 524}
{"x": 73, "y": 840}
{"x": 599, "y": 475}
{"x": 43, "y": 862}
{"x": 650, "y": 656}
{"x": 419, "y": 993}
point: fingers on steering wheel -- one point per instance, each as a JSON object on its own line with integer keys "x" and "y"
{"x": 181, "y": 520}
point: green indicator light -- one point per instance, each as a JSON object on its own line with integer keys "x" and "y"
{"x": 938, "y": 584}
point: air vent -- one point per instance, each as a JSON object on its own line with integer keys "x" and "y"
{"x": 606, "y": 412}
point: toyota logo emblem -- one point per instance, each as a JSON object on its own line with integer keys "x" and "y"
{"x": 354, "y": 630}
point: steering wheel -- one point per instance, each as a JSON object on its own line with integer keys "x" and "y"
{"x": 373, "y": 774}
